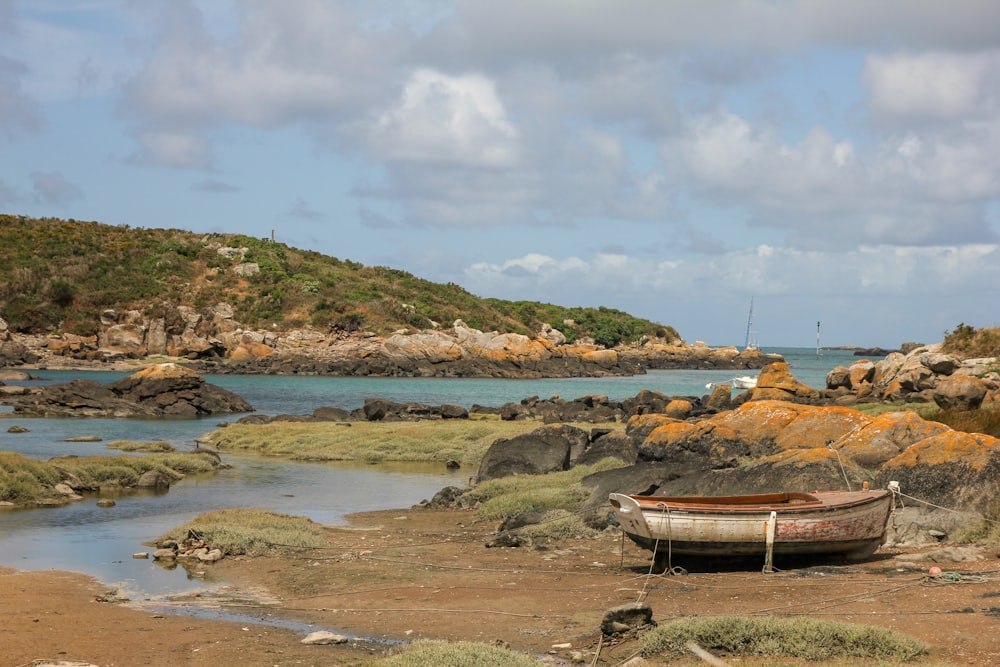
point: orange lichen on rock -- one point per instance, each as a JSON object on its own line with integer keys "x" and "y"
{"x": 668, "y": 434}
{"x": 972, "y": 449}
{"x": 776, "y": 381}
{"x": 820, "y": 427}
{"x": 648, "y": 421}
{"x": 761, "y": 420}
{"x": 678, "y": 408}
{"x": 886, "y": 436}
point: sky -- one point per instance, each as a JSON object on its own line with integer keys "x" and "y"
{"x": 837, "y": 162}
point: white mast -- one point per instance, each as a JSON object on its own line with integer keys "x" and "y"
{"x": 747, "y": 343}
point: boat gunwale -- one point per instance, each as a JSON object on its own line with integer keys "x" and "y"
{"x": 791, "y": 502}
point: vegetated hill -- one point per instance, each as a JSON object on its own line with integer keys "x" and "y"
{"x": 58, "y": 275}
{"x": 971, "y": 343}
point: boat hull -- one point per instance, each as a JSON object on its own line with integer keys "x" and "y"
{"x": 848, "y": 523}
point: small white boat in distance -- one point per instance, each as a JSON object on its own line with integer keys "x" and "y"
{"x": 848, "y": 523}
{"x": 741, "y": 382}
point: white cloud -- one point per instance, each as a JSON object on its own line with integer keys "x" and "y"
{"x": 925, "y": 187}
{"x": 885, "y": 271}
{"x": 938, "y": 86}
{"x": 447, "y": 119}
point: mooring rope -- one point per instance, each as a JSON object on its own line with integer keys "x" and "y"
{"x": 842, "y": 470}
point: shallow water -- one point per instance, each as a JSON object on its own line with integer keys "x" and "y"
{"x": 100, "y": 541}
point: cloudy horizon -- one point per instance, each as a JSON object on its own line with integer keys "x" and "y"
{"x": 834, "y": 161}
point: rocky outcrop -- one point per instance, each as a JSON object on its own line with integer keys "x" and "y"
{"x": 163, "y": 390}
{"x": 770, "y": 445}
{"x": 13, "y": 352}
{"x": 211, "y": 341}
{"x": 923, "y": 375}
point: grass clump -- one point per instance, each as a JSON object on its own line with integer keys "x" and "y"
{"x": 152, "y": 446}
{"x": 971, "y": 343}
{"x": 124, "y": 471}
{"x": 517, "y": 494}
{"x": 767, "y": 636}
{"x": 558, "y": 496}
{"x": 465, "y": 441}
{"x": 436, "y": 653}
{"x": 251, "y": 532}
{"x": 970, "y": 421}
{"x": 25, "y": 480}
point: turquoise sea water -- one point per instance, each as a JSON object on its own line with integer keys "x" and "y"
{"x": 100, "y": 541}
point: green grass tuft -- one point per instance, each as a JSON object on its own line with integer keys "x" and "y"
{"x": 152, "y": 446}
{"x": 462, "y": 440}
{"x": 435, "y": 653}
{"x": 251, "y": 532}
{"x": 766, "y": 636}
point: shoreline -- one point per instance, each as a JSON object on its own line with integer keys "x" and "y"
{"x": 418, "y": 573}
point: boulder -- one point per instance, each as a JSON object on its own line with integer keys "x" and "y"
{"x": 645, "y": 402}
{"x": 838, "y": 376}
{"x": 615, "y": 444}
{"x": 960, "y": 392}
{"x": 546, "y": 449}
{"x": 818, "y": 469}
{"x": 940, "y": 364}
{"x": 820, "y": 427}
{"x": 776, "y": 382}
{"x": 955, "y": 469}
{"x": 15, "y": 353}
{"x": 153, "y": 479}
{"x": 860, "y": 373}
{"x": 917, "y": 525}
{"x": 721, "y": 398}
{"x": 886, "y": 436}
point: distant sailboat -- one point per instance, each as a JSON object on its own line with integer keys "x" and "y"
{"x": 751, "y": 341}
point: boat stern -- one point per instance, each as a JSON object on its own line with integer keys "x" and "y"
{"x": 629, "y": 515}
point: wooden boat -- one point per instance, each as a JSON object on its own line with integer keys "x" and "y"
{"x": 848, "y": 523}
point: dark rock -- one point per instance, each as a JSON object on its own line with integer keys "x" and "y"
{"x": 631, "y": 616}
{"x": 541, "y": 451}
{"x": 615, "y": 444}
{"x": 641, "y": 479}
{"x": 329, "y": 414}
{"x": 153, "y": 479}
{"x": 797, "y": 469}
{"x": 960, "y": 392}
{"x": 447, "y": 498}
{"x": 156, "y": 391}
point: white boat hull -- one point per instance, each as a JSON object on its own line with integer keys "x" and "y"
{"x": 855, "y": 529}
